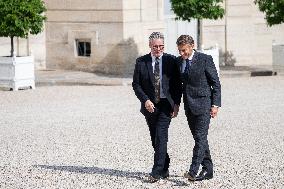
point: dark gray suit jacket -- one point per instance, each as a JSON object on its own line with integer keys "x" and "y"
{"x": 143, "y": 80}
{"x": 201, "y": 86}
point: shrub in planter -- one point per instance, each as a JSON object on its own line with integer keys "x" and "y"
{"x": 19, "y": 18}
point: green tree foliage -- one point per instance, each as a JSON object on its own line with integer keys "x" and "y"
{"x": 19, "y": 18}
{"x": 273, "y": 9}
{"x": 198, "y": 9}
{"x": 205, "y": 9}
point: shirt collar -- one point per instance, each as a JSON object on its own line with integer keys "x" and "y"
{"x": 190, "y": 58}
{"x": 154, "y": 58}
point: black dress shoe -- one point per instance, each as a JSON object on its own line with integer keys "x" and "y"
{"x": 204, "y": 175}
{"x": 190, "y": 176}
{"x": 152, "y": 178}
{"x": 165, "y": 174}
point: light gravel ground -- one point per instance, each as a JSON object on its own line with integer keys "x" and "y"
{"x": 95, "y": 137}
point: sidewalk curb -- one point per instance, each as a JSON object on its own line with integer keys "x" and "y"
{"x": 78, "y": 78}
{"x": 80, "y": 83}
{"x": 235, "y": 74}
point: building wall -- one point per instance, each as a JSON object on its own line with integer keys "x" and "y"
{"x": 140, "y": 19}
{"x": 248, "y": 36}
{"x": 117, "y": 31}
{"x": 95, "y": 20}
{"x": 174, "y": 28}
{"x": 34, "y": 45}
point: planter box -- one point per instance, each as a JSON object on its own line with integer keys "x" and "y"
{"x": 17, "y": 72}
{"x": 214, "y": 52}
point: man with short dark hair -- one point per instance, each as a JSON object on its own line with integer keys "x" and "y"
{"x": 156, "y": 83}
{"x": 202, "y": 97}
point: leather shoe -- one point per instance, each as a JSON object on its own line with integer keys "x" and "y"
{"x": 152, "y": 178}
{"x": 165, "y": 174}
{"x": 204, "y": 175}
{"x": 189, "y": 176}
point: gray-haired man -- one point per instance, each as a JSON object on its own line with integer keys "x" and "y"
{"x": 156, "y": 83}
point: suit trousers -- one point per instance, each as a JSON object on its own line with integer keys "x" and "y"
{"x": 199, "y": 125}
{"x": 158, "y": 123}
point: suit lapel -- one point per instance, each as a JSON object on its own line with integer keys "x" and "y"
{"x": 180, "y": 60}
{"x": 195, "y": 57}
{"x": 193, "y": 64}
{"x": 164, "y": 64}
{"x": 150, "y": 67}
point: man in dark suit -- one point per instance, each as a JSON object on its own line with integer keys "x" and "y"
{"x": 156, "y": 83}
{"x": 202, "y": 98}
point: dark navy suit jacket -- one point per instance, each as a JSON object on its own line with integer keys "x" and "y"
{"x": 143, "y": 80}
{"x": 201, "y": 86}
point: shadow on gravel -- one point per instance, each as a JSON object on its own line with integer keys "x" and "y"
{"x": 178, "y": 182}
{"x": 111, "y": 172}
{"x": 96, "y": 170}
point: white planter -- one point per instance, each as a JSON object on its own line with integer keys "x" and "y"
{"x": 214, "y": 52}
{"x": 17, "y": 72}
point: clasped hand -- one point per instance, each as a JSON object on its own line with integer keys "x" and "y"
{"x": 151, "y": 108}
{"x": 213, "y": 112}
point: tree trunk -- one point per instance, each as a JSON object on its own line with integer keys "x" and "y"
{"x": 226, "y": 33}
{"x": 199, "y": 37}
{"x": 12, "y": 46}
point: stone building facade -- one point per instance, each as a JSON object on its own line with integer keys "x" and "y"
{"x": 93, "y": 35}
{"x": 249, "y": 39}
{"x": 113, "y": 33}
{"x": 107, "y": 36}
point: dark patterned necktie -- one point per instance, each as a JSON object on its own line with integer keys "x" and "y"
{"x": 187, "y": 67}
{"x": 157, "y": 80}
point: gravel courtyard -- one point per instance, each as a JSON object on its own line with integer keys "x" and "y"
{"x": 95, "y": 137}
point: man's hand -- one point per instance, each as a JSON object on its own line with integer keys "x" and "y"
{"x": 149, "y": 106}
{"x": 214, "y": 111}
{"x": 175, "y": 112}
